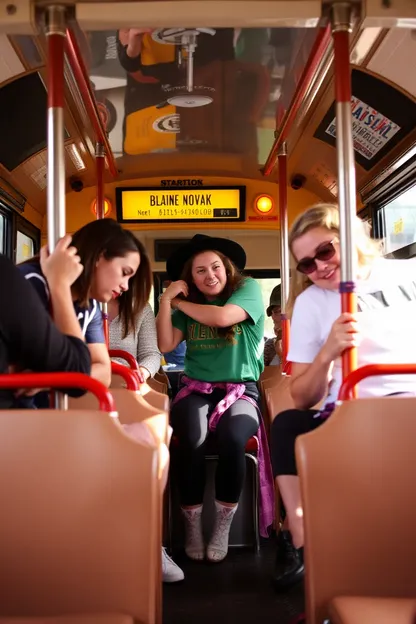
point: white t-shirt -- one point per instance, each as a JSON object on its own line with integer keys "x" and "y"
{"x": 386, "y": 319}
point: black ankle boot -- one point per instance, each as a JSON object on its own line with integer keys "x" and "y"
{"x": 289, "y": 566}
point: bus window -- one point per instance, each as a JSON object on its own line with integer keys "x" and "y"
{"x": 25, "y": 247}
{"x": 400, "y": 221}
{"x": 152, "y": 298}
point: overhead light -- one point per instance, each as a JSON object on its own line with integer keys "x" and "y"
{"x": 75, "y": 156}
{"x": 107, "y": 207}
{"x": 263, "y": 204}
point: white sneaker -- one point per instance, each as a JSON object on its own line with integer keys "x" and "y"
{"x": 171, "y": 573}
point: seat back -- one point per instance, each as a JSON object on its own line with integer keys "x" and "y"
{"x": 156, "y": 398}
{"x": 353, "y": 610}
{"x": 153, "y": 384}
{"x": 357, "y": 474}
{"x": 269, "y": 377}
{"x": 134, "y": 412}
{"x": 270, "y": 372}
{"x": 80, "y": 527}
{"x": 157, "y": 386}
{"x": 159, "y": 400}
{"x": 270, "y": 382}
{"x": 162, "y": 377}
{"x": 132, "y": 408}
{"x": 278, "y": 397}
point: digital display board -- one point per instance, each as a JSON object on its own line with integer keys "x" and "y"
{"x": 204, "y": 204}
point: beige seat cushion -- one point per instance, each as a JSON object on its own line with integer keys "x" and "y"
{"x": 359, "y": 610}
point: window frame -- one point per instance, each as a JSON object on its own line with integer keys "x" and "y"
{"x": 379, "y": 221}
{"x": 14, "y": 222}
{"x": 28, "y": 229}
{"x": 7, "y": 213}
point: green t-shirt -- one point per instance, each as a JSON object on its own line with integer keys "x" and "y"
{"x": 210, "y": 357}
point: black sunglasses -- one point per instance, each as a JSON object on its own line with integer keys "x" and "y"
{"x": 324, "y": 252}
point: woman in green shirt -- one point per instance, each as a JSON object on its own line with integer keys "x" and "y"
{"x": 219, "y": 313}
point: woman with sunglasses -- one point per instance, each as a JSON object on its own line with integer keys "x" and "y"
{"x": 320, "y": 333}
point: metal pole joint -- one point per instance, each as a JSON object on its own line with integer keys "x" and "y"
{"x": 55, "y": 20}
{"x": 282, "y": 149}
{"x": 341, "y": 17}
{"x": 99, "y": 150}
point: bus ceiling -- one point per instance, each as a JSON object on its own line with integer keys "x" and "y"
{"x": 224, "y": 95}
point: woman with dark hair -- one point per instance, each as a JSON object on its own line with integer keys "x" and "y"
{"x": 40, "y": 344}
{"x": 116, "y": 265}
{"x": 219, "y": 313}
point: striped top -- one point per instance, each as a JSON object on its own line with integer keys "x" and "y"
{"x": 142, "y": 344}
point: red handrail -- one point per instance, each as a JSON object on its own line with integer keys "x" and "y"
{"x": 320, "y": 46}
{"x": 124, "y": 355}
{"x": 372, "y": 370}
{"x": 83, "y": 82}
{"x": 61, "y": 380}
{"x": 129, "y": 375}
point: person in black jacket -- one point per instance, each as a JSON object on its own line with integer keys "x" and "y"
{"x": 29, "y": 339}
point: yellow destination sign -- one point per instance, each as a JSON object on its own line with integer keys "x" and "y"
{"x": 180, "y": 204}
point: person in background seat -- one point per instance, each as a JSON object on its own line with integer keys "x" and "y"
{"x": 384, "y": 328}
{"x": 219, "y": 313}
{"x": 273, "y": 346}
{"x": 141, "y": 343}
{"x": 174, "y": 366}
{"x": 29, "y": 339}
{"x": 177, "y": 356}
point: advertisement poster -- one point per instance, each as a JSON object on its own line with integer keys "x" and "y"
{"x": 381, "y": 116}
{"x": 370, "y": 129}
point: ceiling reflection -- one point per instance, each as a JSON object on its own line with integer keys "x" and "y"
{"x": 191, "y": 90}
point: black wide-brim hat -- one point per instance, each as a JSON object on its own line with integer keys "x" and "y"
{"x": 200, "y": 243}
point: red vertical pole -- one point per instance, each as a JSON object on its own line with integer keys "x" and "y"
{"x": 100, "y": 213}
{"x": 284, "y": 251}
{"x": 77, "y": 64}
{"x": 341, "y": 28}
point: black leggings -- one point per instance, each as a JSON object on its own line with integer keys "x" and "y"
{"x": 189, "y": 419}
{"x": 286, "y": 427}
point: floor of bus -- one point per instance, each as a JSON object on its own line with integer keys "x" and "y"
{"x": 237, "y": 590}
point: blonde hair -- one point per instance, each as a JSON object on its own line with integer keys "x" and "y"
{"x": 327, "y": 216}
